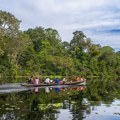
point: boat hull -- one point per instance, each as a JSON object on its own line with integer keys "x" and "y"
{"x": 65, "y": 84}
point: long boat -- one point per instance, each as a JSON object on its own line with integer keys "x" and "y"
{"x": 53, "y": 84}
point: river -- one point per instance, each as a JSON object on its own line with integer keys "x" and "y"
{"x": 96, "y": 101}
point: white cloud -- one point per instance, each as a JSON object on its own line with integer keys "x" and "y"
{"x": 67, "y": 16}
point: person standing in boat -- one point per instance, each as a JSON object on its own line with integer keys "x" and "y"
{"x": 36, "y": 81}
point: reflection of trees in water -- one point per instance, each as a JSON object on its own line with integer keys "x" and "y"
{"x": 49, "y": 114}
{"x": 102, "y": 90}
{"x": 14, "y": 105}
{"x": 77, "y": 109}
{"x": 52, "y": 110}
{"x": 70, "y": 99}
{"x": 8, "y": 116}
{"x": 94, "y": 92}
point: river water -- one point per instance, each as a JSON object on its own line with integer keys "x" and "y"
{"x": 96, "y": 101}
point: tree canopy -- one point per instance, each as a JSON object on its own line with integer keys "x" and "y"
{"x": 41, "y": 51}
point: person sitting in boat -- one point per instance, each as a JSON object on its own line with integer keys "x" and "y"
{"x": 57, "y": 80}
{"x": 78, "y": 79}
{"x": 63, "y": 81}
{"x": 30, "y": 80}
{"x": 36, "y": 81}
{"x": 51, "y": 81}
{"x": 47, "y": 80}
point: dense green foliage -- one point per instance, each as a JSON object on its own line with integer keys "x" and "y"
{"x": 42, "y": 52}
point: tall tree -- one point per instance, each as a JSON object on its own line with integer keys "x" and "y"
{"x": 13, "y": 42}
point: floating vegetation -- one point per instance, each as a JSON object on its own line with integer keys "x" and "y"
{"x": 44, "y": 106}
{"x": 107, "y": 105}
{"x": 7, "y": 108}
{"x": 118, "y": 104}
{"x": 7, "y": 104}
{"x": 13, "y": 106}
{"x": 117, "y": 113}
{"x": 57, "y": 105}
{"x": 73, "y": 102}
{"x": 10, "y": 109}
{"x": 49, "y": 106}
{"x": 17, "y": 108}
{"x": 18, "y": 118}
{"x": 20, "y": 101}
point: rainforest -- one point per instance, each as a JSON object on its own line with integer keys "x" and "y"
{"x": 41, "y": 52}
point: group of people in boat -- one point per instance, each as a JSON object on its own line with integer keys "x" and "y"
{"x": 36, "y": 81}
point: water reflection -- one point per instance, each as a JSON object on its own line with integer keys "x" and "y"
{"x": 12, "y": 87}
{"x": 58, "y": 89}
{"x": 8, "y": 116}
{"x": 90, "y": 102}
{"x": 36, "y": 89}
{"x": 47, "y": 89}
{"x": 61, "y": 106}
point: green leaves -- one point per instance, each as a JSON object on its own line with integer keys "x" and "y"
{"x": 41, "y": 51}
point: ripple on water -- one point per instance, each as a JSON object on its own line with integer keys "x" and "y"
{"x": 13, "y": 87}
{"x": 103, "y": 117}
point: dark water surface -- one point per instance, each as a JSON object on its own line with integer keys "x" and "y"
{"x": 95, "y": 101}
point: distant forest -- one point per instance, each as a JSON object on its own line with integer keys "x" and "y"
{"x": 41, "y": 51}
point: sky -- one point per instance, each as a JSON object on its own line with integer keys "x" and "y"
{"x": 98, "y": 19}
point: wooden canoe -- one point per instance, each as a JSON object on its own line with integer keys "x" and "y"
{"x": 65, "y": 84}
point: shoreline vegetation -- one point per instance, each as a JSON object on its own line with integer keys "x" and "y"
{"x": 41, "y": 52}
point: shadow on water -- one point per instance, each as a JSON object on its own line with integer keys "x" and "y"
{"x": 98, "y": 100}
